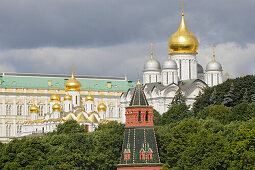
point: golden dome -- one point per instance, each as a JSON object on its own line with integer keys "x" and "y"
{"x": 89, "y": 98}
{"x": 72, "y": 84}
{"x": 34, "y": 109}
{"x": 102, "y": 107}
{"x": 55, "y": 98}
{"x": 183, "y": 41}
{"x": 68, "y": 97}
{"x": 56, "y": 107}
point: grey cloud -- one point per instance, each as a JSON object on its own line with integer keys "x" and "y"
{"x": 90, "y": 23}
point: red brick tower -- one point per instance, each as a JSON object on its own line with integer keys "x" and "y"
{"x": 140, "y": 150}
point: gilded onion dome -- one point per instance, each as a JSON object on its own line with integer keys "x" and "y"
{"x": 56, "y": 107}
{"x": 55, "y": 98}
{"x": 68, "y": 97}
{"x": 34, "y": 109}
{"x": 72, "y": 84}
{"x": 101, "y": 107}
{"x": 89, "y": 98}
{"x": 183, "y": 41}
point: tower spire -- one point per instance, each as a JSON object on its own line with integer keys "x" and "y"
{"x": 151, "y": 51}
{"x": 138, "y": 80}
{"x": 72, "y": 71}
{"x": 214, "y": 52}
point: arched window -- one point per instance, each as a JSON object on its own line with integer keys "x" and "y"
{"x": 18, "y": 128}
{"x": 139, "y": 116}
{"x": 76, "y": 99}
{"x": 147, "y": 116}
{"x": 8, "y": 109}
{"x": 40, "y": 110}
{"x": 8, "y": 130}
{"x": 19, "y": 110}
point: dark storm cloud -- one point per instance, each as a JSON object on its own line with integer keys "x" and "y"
{"x": 93, "y": 23}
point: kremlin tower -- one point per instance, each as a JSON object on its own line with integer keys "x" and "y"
{"x": 139, "y": 150}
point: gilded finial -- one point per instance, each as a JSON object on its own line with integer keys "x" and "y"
{"x": 125, "y": 76}
{"x": 138, "y": 80}
{"x": 169, "y": 56}
{"x": 214, "y": 52}
{"x": 227, "y": 75}
{"x": 151, "y": 51}
{"x": 182, "y": 8}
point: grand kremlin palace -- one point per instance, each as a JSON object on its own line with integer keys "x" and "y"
{"x": 18, "y": 92}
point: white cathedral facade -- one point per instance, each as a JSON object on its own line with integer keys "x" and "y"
{"x": 71, "y": 108}
{"x": 181, "y": 71}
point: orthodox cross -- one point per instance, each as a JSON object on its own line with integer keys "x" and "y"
{"x": 227, "y": 75}
{"x": 214, "y": 52}
{"x": 151, "y": 51}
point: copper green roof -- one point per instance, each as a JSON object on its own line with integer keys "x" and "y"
{"x": 40, "y": 81}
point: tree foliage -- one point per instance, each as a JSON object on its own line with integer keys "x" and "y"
{"x": 240, "y": 84}
{"x": 210, "y": 136}
{"x": 69, "y": 147}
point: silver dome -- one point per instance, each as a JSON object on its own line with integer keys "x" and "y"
{"x": 152, "y": 65}
{"x": 169, "y": 64}
{"x": 213, "y": 66}
{"x": 200, "y": 68}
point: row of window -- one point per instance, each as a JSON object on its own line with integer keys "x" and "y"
{"x": 146, "y": 116}
{"x": 142, "y": 155}
{"x": 8, "y": 109}
{"x": 8, "y": 129}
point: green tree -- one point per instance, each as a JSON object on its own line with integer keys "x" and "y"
{"x": 70, "y": 126}
{"x": 179, "y": 98}
{"x": 228, "y": 98}
{"x": 212, "y": 99}
{"x": 241, "y": 150}
{"x": 248, "y": 82}
{"x": 189, "y": 145}
{"x": 245, "y": 96}
{"x": 156, "y": 117}
{"x": 217, "y": 112}
{"x": 175, "y": 114}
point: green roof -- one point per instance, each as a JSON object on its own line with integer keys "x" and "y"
{"x": 40, "y": 81}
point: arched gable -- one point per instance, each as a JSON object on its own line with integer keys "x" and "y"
{"x": 170, "y": 90}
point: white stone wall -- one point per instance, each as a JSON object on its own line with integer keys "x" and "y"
{"x": 213, "y": 78}
{"x": 187, "y": 65}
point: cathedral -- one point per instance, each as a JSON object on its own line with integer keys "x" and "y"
{"x": 181, "y": 72}
{"x": 71, "y": 109}
{"x": 33, "y": 104}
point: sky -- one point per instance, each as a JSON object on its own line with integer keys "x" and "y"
{"x": 112, "y": 37}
